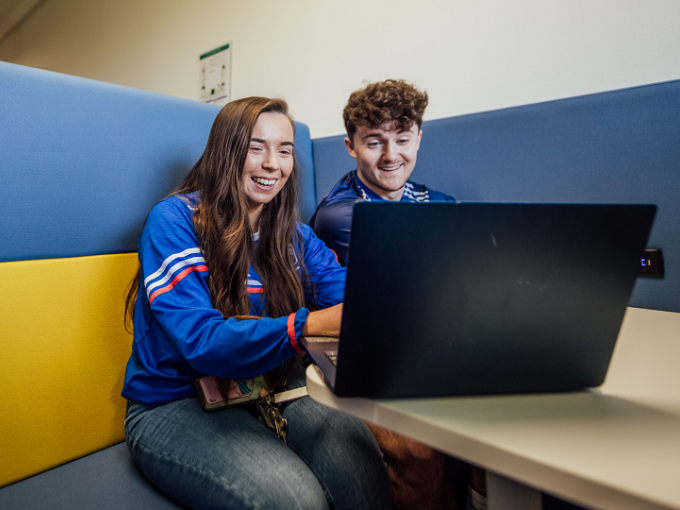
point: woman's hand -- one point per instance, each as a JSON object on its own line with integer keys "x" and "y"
{"x": 323, "y": 322}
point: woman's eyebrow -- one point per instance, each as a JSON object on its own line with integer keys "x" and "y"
{"x": 262, "y": 140}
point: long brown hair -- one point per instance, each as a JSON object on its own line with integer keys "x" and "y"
{"x": 224, "y": 232}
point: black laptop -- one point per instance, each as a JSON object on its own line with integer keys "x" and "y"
{"x": 450, "y": 299}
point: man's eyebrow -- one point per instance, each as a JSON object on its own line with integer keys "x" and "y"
{"x": 380, "y": 135}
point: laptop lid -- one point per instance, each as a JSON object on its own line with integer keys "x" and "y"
{"x": 473, "y": 298}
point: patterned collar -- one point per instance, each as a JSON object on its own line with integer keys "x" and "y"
{"x": 410, "y": 193}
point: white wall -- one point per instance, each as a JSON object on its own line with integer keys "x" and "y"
{"x": 470, "y": 55}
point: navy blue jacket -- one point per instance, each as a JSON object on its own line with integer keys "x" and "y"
{"x": 332, "y": 220}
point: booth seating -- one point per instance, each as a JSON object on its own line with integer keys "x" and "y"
{"x": 82, "y": 163}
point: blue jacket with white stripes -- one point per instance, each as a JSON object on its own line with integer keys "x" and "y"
{"x": 179, "y": 336}
{"x": 332, "y": 220}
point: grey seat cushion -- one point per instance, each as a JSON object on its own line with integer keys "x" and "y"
{"x": 107, "y": 479}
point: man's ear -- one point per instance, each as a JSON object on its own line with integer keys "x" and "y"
{"x": 420, "y": 137}
{"x": 350, "y": 147}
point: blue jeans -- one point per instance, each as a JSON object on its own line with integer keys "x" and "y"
{"x": 228, "y": 459}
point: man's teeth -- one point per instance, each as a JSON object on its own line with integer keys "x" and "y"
{"x": 390, "y": 168}
{"x": 264, "y": 182}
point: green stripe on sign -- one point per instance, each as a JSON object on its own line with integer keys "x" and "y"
{"x": 221, "y": 48}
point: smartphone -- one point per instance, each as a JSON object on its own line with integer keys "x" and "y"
{"x": 241, "y": 391}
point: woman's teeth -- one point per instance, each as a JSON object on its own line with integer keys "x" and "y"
{"x": 264, "y": 182}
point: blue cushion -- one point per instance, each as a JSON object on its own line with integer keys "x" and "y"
{"x": 303, "y": 152}
{"x": 83, "y": 161}
{"x": 332, "y": 161}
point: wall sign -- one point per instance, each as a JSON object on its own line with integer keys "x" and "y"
{"x": 215, "y": 76}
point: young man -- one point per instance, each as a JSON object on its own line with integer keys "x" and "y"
{"x": 383, "y": 122}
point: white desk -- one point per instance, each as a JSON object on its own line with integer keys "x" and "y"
{"x": 615, "y": 448}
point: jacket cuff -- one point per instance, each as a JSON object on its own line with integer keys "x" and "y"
{"x": 296, "y": 321}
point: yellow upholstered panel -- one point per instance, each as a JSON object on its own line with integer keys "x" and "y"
{"x": 63, "y": 352}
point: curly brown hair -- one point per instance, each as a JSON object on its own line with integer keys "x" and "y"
{"x": 392, "y": 101}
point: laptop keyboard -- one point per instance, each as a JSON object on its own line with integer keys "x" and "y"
{"x": 332, "y": 356}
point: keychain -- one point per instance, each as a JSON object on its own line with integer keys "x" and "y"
{"x": 271, "y": 416}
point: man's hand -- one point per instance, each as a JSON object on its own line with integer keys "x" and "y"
{"x": 324, "y": 322}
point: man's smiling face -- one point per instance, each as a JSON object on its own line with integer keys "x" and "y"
{"x": 385, "y": 157}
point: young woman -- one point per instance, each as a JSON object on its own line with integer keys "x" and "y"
{"x": 226, "y": 283}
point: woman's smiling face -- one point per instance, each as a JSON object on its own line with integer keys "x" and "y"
{"x": 269, "y": 162}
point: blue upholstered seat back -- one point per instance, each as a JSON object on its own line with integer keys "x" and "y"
{"x": 614, "y": 147}
{"x": 82, "y": 162}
